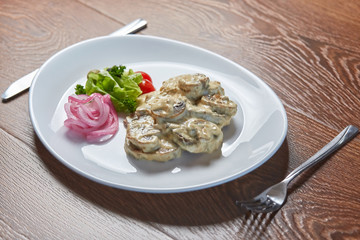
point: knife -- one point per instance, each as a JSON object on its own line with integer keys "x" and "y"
{"x": 24, "y": 83}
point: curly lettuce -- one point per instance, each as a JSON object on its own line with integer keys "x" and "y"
{"x": 122, "y": 86}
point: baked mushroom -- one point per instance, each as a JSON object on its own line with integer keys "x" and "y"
{"x": 219, "y": 103}
{"x": 187, "y": 113}
{"x": 165, "y": 152}
{"x": 141, "y": 133}
{"x": 193, "y": 85}
{"x": 197, "y": 135}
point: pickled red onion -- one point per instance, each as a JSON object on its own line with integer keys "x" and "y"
{"x": 93, "y": 116}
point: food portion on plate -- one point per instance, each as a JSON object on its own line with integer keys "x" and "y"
{"x": 256, "y": 131}
{"x": 186, "y": 113}
{"x": 123, "y": 86}
{"x": 92, "y": 116}
{"x": 92, "y": 110}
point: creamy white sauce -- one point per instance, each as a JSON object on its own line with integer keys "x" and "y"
{"x": 187, "y": 113}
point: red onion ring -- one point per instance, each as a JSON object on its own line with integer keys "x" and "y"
{"x": 93, "y": 116}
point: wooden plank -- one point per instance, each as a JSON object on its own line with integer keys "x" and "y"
{"x": 42, "y": 199}
{"x": 27, "y": 41}
{"x": 318, "y": 204}
{"x": 307, "y": 51}
{"x": 210, "y": 213}
{"x": 292, "y": 45}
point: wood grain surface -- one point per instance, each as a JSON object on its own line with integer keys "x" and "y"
{"x": 307, "y": 51}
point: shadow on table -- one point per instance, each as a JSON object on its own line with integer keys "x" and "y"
{"x": 202, "y": 207}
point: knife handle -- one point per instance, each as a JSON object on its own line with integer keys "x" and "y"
{"x": 130, "y": 28}
{"x": 24, "y": 83}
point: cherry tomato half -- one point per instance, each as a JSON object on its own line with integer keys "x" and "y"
{"x": 146, "y": 86}
{"x": 145, "y": 75}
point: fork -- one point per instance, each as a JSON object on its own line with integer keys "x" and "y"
{"x": 274, "y": 197}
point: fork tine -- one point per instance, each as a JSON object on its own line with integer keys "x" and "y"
{"x": 268, "y": 206}
{"x": 252, "y": 204}
{"x": 267, "y": 209}
{"x": 259, "y": 206}
{"x": 260, "y": 210}
{"x": 257, "y": 199}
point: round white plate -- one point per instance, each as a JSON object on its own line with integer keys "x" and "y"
{"x": 254, "y": 135}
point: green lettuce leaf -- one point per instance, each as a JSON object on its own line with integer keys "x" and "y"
{"x": 121, "y": 85}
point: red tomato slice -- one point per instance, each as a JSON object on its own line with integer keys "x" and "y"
{"x": 145, "y": 75}
{"x": 146, "y": 86}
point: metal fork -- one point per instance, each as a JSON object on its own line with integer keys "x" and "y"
{"x": 274, "y": 197}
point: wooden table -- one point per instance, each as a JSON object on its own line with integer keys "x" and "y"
{"x": 307, "y": 51}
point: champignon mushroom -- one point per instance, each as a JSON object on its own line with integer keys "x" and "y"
{"x": 197, "y": 135}
{"x": 165, "y": 152}
{"x": 141, "y": 133}
{"x": 220, "y": 104}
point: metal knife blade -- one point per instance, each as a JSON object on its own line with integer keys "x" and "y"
{"x": 19, "y": 85}
{"x": 24, "y": 83}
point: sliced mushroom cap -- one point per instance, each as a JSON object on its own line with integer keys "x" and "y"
{"x": 215, "y": 88}
{"x": 197, "y": 135}
{"x": 194, "y": 85}
{"x": 171, "y": 86}
{"x": 168, "y": 107}
{"x": 165, "y": 152}
{"x": 204, "y": 112}
{"x": 143, "y": 107}
{"x": 140, "y": 132}
{"x": 220, "y": 104}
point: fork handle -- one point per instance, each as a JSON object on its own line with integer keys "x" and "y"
{"x": 340, "y": 140}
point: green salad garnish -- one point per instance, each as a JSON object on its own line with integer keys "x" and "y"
{"x": 122, "y": 86}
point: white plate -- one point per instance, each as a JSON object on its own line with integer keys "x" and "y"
{"x": 254, "y": 135}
